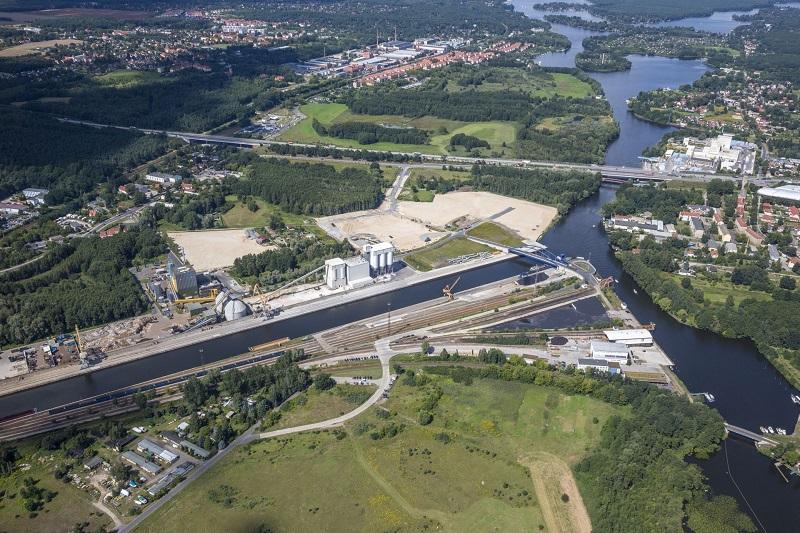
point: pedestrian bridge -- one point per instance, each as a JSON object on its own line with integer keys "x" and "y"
{"x": 757, "y": 437}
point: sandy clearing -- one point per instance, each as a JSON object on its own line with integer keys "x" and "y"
{"x": 403, "y": 232}
{"x": 528, "y": 219}
{"x": 35, "y": 48}
{"x": 552, "y": 477}
{"x": 214, "y": 249}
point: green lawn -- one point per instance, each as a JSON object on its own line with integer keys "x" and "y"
{"x": 240, "y": 216}
{"x": 126, "y": 79}
{"x": 535, "y": 83}
{"x": 495, "y": 233}
{"x": 483, "y": 464}
{"x": 436, "y": 255}
{"x": 718, "y": 292}
{"x": 495, "y": 133}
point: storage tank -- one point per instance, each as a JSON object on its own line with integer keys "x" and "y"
{"x": 235, "y": 309}
{"x": 373, "y": 260}
{"x": 390, "y": 259}
{"x": 220, "y": 301}
{"x": 382, "y": 260}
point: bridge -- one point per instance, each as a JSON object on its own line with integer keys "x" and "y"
{"x": 609, "y": 173}
{"x": 757, "y": 437}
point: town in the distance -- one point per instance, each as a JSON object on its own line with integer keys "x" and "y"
{"x": 359, "y": 265}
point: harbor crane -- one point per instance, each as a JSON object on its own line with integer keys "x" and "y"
{"x": 448, "y": 289}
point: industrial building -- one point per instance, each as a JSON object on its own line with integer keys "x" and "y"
{"x": 610, "y": 351}
{"x": 376, "y": 260}
{"x": 601, "y": 365}
{"x": 230, "y": 307}
{"x": 788, "y": 194}
{"x": 137, "y": 460}
{"x": 150, "y": 447}
{"x": 182, "y": 279}
{"x": 163, "y": 179}
{"x": 630, "y": 337}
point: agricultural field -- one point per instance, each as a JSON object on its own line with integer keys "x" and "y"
{"x": 495, "y": 133}
{"x": 497, "y": 455}
{"x": 495, "y": 233}
{"x": 35, "y": 47}
{"x": 437, "y": 255}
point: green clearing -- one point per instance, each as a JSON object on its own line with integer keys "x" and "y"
{"x": 534, "y": 83}
{"x": 424, "y": 195}
{"x": 70, "y": 506}
{"x": 240, "y": 216}
{"x": 469, "y": 470}
{"x": 436, "y": 255}
{"x": 125, "y": 79}
{"x": 314, "y": 406}
{"x": 491, "y": 231}
{"x": 495, "y": 133}
{"x": 717, "y": 292}
{"x": 355, "y": 368}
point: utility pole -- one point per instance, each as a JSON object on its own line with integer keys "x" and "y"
{"x": 388, "y": 319}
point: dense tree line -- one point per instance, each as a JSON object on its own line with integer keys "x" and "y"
{"x": 189, "y": 212}
{"x": 370, "y": 133}
{"x": 85, "y": 282}
{"x": 313, "y": 189}
{"x": 68, "y": 159}
{"x": 468, "y": 142}
{"x": 664, "y": 204}
{"x": 653, "y": 10}
{"x": 467, "y": 106}
{"x": 275, "y": 266}
{"x": 551, "y": 187}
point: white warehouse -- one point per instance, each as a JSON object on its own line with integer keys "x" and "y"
{"x": 630, "y": 337}
{"x": 610, "y": 351}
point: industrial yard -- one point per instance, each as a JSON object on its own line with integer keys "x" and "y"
{"x": 215, "y": 249}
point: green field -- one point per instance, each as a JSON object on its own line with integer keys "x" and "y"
{"x": 491, "y": 231}
{"x": 534, "y": 83}
{"x": 497, "y": 456}
{"x": 314, "y": 406}
{"x": 125, "y": 79}
{"x": 355, "y": 368}
{"x": 495, "y": 133}
{"x": 423, "y": 195}
{"x": 240, "y": 216}
{"x": 70, "y": 506}
{"x": 718, "y": 292}
{"x": 436, "y": 255}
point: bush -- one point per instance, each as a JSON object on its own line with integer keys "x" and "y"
{"x": 425, "y": 418}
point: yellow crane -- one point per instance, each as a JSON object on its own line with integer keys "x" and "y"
{"x": 78, "y": 341}
{"x": 198, "y": 299}
{"x": 264, "y": 299}
{"x": 448, "y": 289}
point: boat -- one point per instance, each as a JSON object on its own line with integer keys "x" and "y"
{"x": 762, "y": 429}
{"x": 780, "y": 431}
{"x": 635, "y": 291}
{"x": 795, "y": 398}
{"x": 616, "y": 280}
{"x": 770, "y": 430}
{"x": 709, "y": 397}
{"x": 624, "y": 306}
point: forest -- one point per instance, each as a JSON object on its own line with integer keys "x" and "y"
{"x": 84, "y": 283}
{"x": 68, "y": 159}
{"x": 654, "y": 10}
{"x": 310, "y": 188}
{"x": 558, "y": 188}
{"x": 369, "y": 133}
{"x": 468, "y": 142}
{"x": 637, "y": 478}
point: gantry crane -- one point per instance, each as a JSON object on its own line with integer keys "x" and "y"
{"x": 448, "y": 289}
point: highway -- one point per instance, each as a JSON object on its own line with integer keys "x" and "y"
{"x": 611, "y": 172}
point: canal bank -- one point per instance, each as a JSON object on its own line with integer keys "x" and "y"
{"x": 749, "y": 392}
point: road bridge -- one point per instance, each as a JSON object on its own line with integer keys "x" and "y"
{"x": 610, "y": 173}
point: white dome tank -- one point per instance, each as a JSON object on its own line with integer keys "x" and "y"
{"x": 235, "y": 309}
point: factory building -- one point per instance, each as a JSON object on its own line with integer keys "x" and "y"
{"x": 376, "y": 260}
{"x": 182, "y": 279}
{"x": 610, "y": 351}
{"x": 381, "y": 258}
{"x": 630, "y": 337}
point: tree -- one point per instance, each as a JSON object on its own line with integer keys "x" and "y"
{"x": 425, "y": 348}
{"x": 425, "y": 418}
{"x": 324, "y": 382}
{"x": 788, "y": 283}
{"x": 195, "y": 392}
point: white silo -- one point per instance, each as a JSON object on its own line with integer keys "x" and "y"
{"x": 390, "y": 259}
{"x": 381, "y": 260}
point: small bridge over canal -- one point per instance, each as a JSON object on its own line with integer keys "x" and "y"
{"x": 757, "y": 437}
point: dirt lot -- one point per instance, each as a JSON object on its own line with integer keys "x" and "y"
{"x": 529, "y": 220}
{"x": 34, "y": 48}
{"x": 403, "y": 232}
{"x": 214, "y": 249}
{"x": 552, "y": 479}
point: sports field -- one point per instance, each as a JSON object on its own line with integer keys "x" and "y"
{"x": 495, "y": 133}
{"x": 496, "y": 457}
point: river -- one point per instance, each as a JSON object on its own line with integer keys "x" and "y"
{"x": 749, "y": 391}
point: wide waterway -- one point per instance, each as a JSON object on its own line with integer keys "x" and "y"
{"x": 748, "y": 390}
